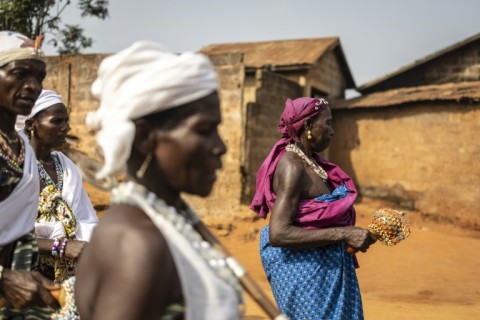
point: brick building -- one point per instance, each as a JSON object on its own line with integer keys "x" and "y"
{"x": 255, "y": 79}
{"x": 273, "y": 72}
{"x": 72, "y": 77}
{"x": 412, "y": 137}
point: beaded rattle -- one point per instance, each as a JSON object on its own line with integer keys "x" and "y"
{"x": 389, "y": 226}
{"x": 65, "y": 297}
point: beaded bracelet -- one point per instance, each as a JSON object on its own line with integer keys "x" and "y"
{"x": 62, "y": 247}
{"x": 56, "y": 243}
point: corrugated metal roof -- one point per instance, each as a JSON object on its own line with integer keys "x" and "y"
{"x": 417, "y": 63}
{"x": 440, "y": 92}
{"x": 276, "y": 53}
{"x": 284, "y": 53}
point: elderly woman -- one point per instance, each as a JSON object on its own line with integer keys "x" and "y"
{"x": 66, "y": 217}
{"x": 311, "y": 200}
{"x": 22, "y": 70}
{"x": 159, "y": 115}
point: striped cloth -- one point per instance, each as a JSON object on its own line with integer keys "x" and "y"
{"x": 25, "y": 257}
{"x": 318, "y": 283}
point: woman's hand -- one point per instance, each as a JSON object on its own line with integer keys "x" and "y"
{"x": 358, "y": 238}
{"x": 25, "y": 288}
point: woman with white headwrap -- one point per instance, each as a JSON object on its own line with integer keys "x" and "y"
{"x": 66, "y": 216}
{"x": 159, "y": 116}
{"x": 22, "y": 70}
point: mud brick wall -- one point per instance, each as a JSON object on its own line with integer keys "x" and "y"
{"x": 327, "y": 76}
{"x": 460, "y": 65}
{"x": 72, "y": 77}
{"x": 225, "y": 198}
{"x": 263, "y": 117}
{"x": 422, "y": 156}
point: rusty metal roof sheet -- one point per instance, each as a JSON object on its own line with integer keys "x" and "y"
{"x": 284, "y": 53}
{"x": 417, "y": 63}
{"x": 462, "y": 91}
{"x": 276, "y": 53}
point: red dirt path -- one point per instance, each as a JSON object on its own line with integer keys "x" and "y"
{"x": 434, "y": 274}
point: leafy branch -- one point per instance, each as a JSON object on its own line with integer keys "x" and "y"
{"x": 34, "y": 17}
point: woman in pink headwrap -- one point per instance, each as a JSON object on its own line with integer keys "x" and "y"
{"x": 311, "y": 200}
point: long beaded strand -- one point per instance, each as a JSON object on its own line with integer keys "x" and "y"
{"x": 182, "y": 221}
{"x": 315, "y": 166}
{"x": 8, "y": 139}
{"x": 7, "y": 154}
{"x": 45, "y": 177}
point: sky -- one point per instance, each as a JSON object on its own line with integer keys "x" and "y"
{"x": 377, "y": 36}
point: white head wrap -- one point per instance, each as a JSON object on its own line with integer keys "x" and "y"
{"x": 143, "y": 79}
{"x": 46, "y": 99}
{"x": 16, "y": 46}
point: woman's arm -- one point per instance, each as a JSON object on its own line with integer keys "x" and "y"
{"x": 290, "y": 177}
{"x": 73, "y": 248}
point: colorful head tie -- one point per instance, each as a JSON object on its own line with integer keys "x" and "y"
{"x": 295, "y": 113}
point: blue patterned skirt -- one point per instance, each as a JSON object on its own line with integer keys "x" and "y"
{"x": 318, "y": 283}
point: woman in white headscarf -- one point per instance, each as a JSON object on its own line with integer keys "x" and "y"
{"x": 159, "y": 116}
{"x": 66, "y": 216}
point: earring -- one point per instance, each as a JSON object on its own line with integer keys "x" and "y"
{"x": 309, "y": 135}
{"x": 141, "y": 171}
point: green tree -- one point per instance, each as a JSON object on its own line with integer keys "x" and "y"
{"x": 35, "y": 17}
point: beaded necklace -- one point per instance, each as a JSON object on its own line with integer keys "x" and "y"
{"x": 6, "y": 153}
{"x": 314, "y": 165}
{"x": 7, "y": 138}
{"x": 51, "y": 203}
{"x": 183, "y": 222}
{"x": 45, "y": 177}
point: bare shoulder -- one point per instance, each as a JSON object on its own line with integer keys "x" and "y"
{"x": 289, "y": 171}
{"x": 124, "y": 239}
{"x": 126, "y": 251}
{"x": 126, "y": 230}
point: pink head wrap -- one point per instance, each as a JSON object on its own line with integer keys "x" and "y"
{"x": 295, "y": 113}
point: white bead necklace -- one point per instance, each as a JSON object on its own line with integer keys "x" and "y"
{"x": 314, "y": 165}
{"x": 225, "y": 268}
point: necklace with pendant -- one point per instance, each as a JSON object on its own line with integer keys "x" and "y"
{"x": 312, "y": 164}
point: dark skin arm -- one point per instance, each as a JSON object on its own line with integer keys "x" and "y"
{"x": 72, "y": 250}
{"x": 292, "y": 182}
{"x": 127, "y": 271}
{"x": 25, "y": 288}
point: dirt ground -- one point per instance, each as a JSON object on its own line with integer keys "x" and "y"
{"x": 433, "y": 274}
